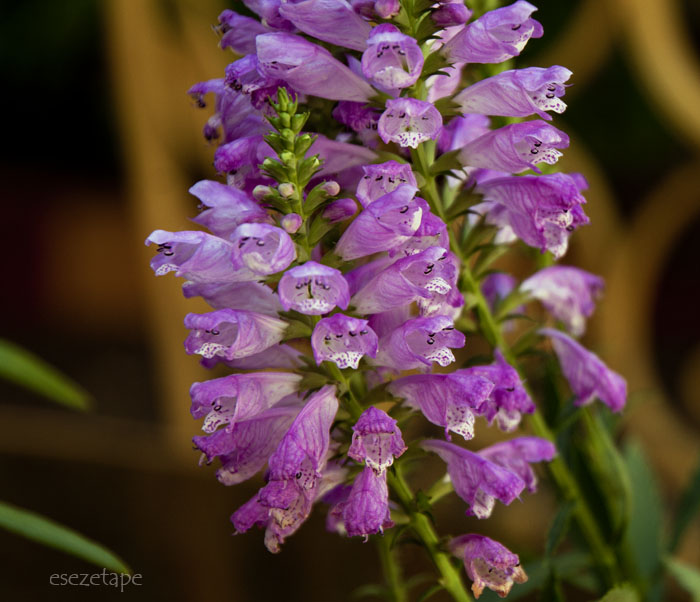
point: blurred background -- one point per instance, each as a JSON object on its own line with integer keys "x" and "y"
{"x": 100, "y": 146}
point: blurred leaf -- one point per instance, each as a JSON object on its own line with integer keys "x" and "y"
{"x": 49, "y": 533}
{"x": 551, "y": 592}
{"x": 609, "y": 471}
{"x": 31, "y": 372}
{"x": 371, "y": 589}
{"x": 687, "y": 508}
{"x": 559, "y": 527}
{"x": 644, "y": 528}
{"x": 622, "y": 593}
{"x": 430, "y": 592}
{"x": 686, "y": 575}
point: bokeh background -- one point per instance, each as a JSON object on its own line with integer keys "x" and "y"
{"x": 100, "y": 143}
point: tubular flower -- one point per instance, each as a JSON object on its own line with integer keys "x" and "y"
{"x": 313, "y": 289}
{"x": 392, "y": 60}
{"x": 261, "y": 248}
{"x": 488, "y": 564}
{"x": 408, "y": 122}
{"x": 376, "y": 440}
{"x": 343, "y": 340}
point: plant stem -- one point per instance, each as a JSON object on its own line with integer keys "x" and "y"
{"x": 391, "y": 569}
{"x": 422, "y": 527}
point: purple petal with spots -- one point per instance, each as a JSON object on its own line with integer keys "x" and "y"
{"x": 392, "y": 60}
{"x": 488, "y": 564}
{"x": 568, "y": 293}
{"x": 432, "y": 232}
{"x": 308, "y": 68}
{"x": 425, "y": 277}
{"x": 225, "y": 208}
{"x": 408, "y": 122}
{"x": 229, "y": 399}
{"x": 541, "y": 210}
{"x": 231, "y": 333}
{"x": 332, "y": 21}
{"x": 517, "y": 93}
{"x": 496, "y": 36}
{"x": 418, "y": 343}
{"x": 366, "y": 509}
{"x": 376, "y": 440}
{"x": 197, "y": 256}
{"x": 448, "y": 400}
{"x": 343, "y": 340}
{"x": 381, "y": 179}
{"x": 313, "y": 289}
{"x": 261, "y": 248}
{"x": 245, "y": 447}
{"x": 516, "y": 147}
{"x": 476, "y": 480}
{"x": 517, "y": 454}
{"x": 589, "y": 378}
{"x": 388, "y": 222}
{"x": 508, "y": 400}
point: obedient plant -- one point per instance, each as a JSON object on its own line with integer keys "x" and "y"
{"x": 352, "y": 268}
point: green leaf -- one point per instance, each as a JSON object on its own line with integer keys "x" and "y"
{"x": 371, "y": 590}
{"x": 622, "y": 593}
{"x": 29, "y": 371}
{"x": 552, "y": 592}
{"x": 644, "y": 528}
{"x": 686, "y": 575}
{"x": 446, "y": 162}
{"x": 516, "y": 298}
{"x": 430, "y": 592}
{"x": 488, "y": 254}
{"x": 296, "y": 330}
{"x": 559, "y": 527}
{"x": 687, "y": 508}
{"x": 49, "y": 533}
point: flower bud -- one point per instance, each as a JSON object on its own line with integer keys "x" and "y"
{"x": 286, "y": 189}
{"x": 291, "y": 222}
{"x": 331, "y": 188}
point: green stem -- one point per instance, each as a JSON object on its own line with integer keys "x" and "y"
{"x": 422, "y": 527}
{"x": 391, "y": 569}
{"x": 565, "y": 481}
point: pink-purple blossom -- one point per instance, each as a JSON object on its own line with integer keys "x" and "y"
{"x": 376, "y": 440}
{"x": 343, "y": 340}
{"x": 313, "y": 289}
{"x": 408, "y": 122}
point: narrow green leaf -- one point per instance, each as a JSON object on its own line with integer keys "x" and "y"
{"x": 687, "y": 509}
{"x": 29, "y": 371}
{"x": 430, "y": 592}
{"x": 559, "y": 528}
{"x": 49, "y": 533}
{"x": 296, "y": 330}
{"x": 552, "y": 592}
{"x": 686, "y": 575}
{"x": 515, "y": 299}
{"x": 644, "y": 528}
{"x": 446, "y": 162}
{"x": 487, "y": 256}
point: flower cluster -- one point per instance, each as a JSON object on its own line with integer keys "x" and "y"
{"x": 336, "y": 272}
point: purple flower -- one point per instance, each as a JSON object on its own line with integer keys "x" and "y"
{"x": 296, "y": 469}
{"x": 269, "y": 12}
{"x": 224, "y": 208}
{"x": 509, "y": 399}
{"x": 313, "y": 289}
{"x": 432, "y": 232}
{"x": 231, "y": 333}
{"x": 392, "y": 60}
{"x": 461, "y": 130}
{"x": 332, "y": 21}
{"x": 251, "y": 296}
{"x": 366, "y": 509}
{"x": 291, "y": 223}
{"x": 516, "y": 147}
{"x": 448, "y": 400}
{"x": 309, "y": 69}
{"x": 196, "y": 256}
{"x": 420, "y": 342}
{"x": 476, "y": 480}
{"x": 517, "y": 93}
{"x": 340, "y": 210}
{"x": 240, "y": 160}
{"x": 517, "y": 454}
{"x": 568, "y": 294}
{"x": 359, "y": 117}
{"x": 409, "y": 122}
{"x": 383, "y": 178}
{"x": 238, "y": 32}
{"x": 541, "y": 210}
{"x": 245, "y": 447}
{"x": 277, "y": 357}
{"x": 496, "y": 36}
{"x": 588, "y": 376}
{"x": 244, "y": 78}
{"x": 488, "y": 564}
{"x": 426, "y": 277}
{"x": 451, "y": 13}
{"x": 343, "y": 340}
{"x": 376, "y": 440}
{"x": 230, "y": 399}
{"x": 388, "y": 222}
{"x": 261, "y": 248}
{"x": 496, "y": 287}
{"x": 384, "y": 9}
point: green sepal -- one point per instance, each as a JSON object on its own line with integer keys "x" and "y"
{"x": 318, "y": 229}
{"x": 307, "y": 168}
{"x": 276, "y": 170}
{"x": 426, "y": 28}
{"x": 433, "y": 63}
{"x": 446, "y": 162}
{"x": 420, "y": 6}
{"x": 315, "y": 198}
{"x": 489, "y": 253}
{"x": 299, "y": 121}
{"x": 302, "y": 144}
{"x": 514, "y": 299}
{"x": 312, "y": 380}
{"x": 296, "y": 330}
{"x": 447, "y": 106}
